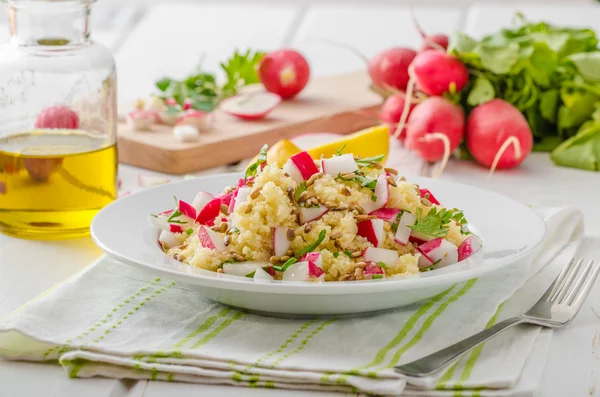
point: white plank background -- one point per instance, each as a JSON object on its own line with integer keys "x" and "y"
{"x": 151, "y": 38}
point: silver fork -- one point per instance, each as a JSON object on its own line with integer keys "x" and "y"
{"x": 556, "y": 308}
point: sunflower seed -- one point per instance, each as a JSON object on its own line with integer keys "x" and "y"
{"x": 402, "y": 179}
{"x": 344, "y": 277}
{"x": 303, "y": 196}
{"x": 307, "y": 228}
{"x": 339, "y": 209}
{"x": 238, "y": 258}
{"x": 255, "y": 193}
{"x": 346, "y": 191}
{"x": 290, "y": 234}
{"x": 361, "y": 264}
{"x": 386, "y": 226}
{"x": 335, "y": 235}
{"x": 313, "y": 178}
{"x": 330, "y": 204}
{"x": 274, "y": 260}
{"x": 349, "y": 176}
{"x": 248, "y": 209}
{"x": 284, "y": 258}
{"x": 364, "y": 217}
{"x": 225, "y": 209}
{"x": 360, "y": 210}
{"x": 223, "y": 227}
{"x": 356, "y": 254}
{"x": 358, "y": 273}
{"x": 289, "y": 253}
{"x": 426, "y": 202}
{"x": 391, "y": 171}
{"x": 391, "y": 181}
{"x": 375, "y": 165}
{"x": 219, "y": 270}
{"x": 227, "y": 240}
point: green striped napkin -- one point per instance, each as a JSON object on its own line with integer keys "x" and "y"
{"x": 115, "y": 321}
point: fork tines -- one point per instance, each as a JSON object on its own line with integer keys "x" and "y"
{"x": 573, "y": 283}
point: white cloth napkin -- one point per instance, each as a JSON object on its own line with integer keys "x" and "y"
{"x": 112, "y": 320}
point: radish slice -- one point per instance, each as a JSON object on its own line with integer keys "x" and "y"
{"x": 290, "y": 168}
{"x": 314, "y": 257}
{"x": 252, "y": 106}
{"x": 312, "y": 213}
{"x": 207, "y": 215}
{"x": 387, "y": 214}
{"x": 425, "y": 193}
{"x": 159, "y": 222}
{"x": 469, "y": 247}
{"x": 201, "y": 199}
{"x": 382, "y": 194}
{"x": 174, "y": 228}
{"x": 262, "y": 276}
{"x": 314, "y": 271}
{"x": 424, "y": 260}
{"x": 170, "y": 239}
{"x": 389, "y": 257}
{"x": 186, "y": 209}
{"x": 372, "y": 230}
{"x": 337, "y": 165}
{"x": 280, "y": 241}
{"x": 241, "y": 196}
{"x": 210, "y": 239}
{"x": 243, "y": 268}
{"x": 226, "y": 198}
{"x": 403, "y": 232}
{"x": 305, "y": 164}
{"x": 440, "y": 250}
{"x": 297, "y": 272}
{"x": 373, "y": 268}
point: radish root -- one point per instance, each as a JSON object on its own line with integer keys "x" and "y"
{"x": 415, "y": 22}
{"x": 407, "y": 101}
{"x": 446, "y": 141}
{"x": 512, "y": 140}
{"x": 349, "y": 47}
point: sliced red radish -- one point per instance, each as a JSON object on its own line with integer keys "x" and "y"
{"x": 240, "y": 197}
{"x": 195, "y": 118}
{"x": 425, "y": 193}
{"x": 312, "y": 213}
{"x": 381, "y": 195}
{"x": 175, "y": 228}
{"x": 297, "y": 272}
{"x": 142, "y": 120}
{"x": 337, "y": 165}
{"x": 169, "y": 239}
{"x": 387, "y": 214}
{"x": 261, "y": 275}
{"x": 469, "y": 247}
{"x": 207, "y": 215}
{"x": 424, "y": 260}
{"x": 226, "y": 198}
{"x": 440, "y": 250}
{"x": 280, "y": 241}
{"x": 201, "y": 199}
{"x": 243, "y": 268}
{"x": 186, "y": 209}
{"x": 314, "y": 257}
{"x": 314, "y": 271}
{"x": 210, "y": 239}
{"x": 372, "y": 230}
{"x": 290, "y": 168}
{"x": 389, "y": 257}
{"x": 305, "y": 164}
{"x": 373, "y": 268}
{"x": 252, "y": 106}
{"x": 403, "y": 232}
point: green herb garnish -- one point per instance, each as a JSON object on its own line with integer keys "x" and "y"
{"x": 336, "y": 254}
{"x": 376, "y": 276}
{"x": 434, "y": 223}
{"x": 312, "y": 246}
{"x": 189, "y": 231}
{"x": 251, "y": 275}
{"x": 287, "y": 264}
{"x": 300, "y": 189}
{"x": 373, "y": 198}
{"x": 366, "y": 182}
{"x": 262, "y": 158}
{"x": 366, "y": 162}
{"x": 348, "y": 253}
{"x": 339, "y": 151}
{"x": 381, "y": 265}
{"x": 431, "y": 267}
{"x": 234, "y": 230}
{"x": 173, "y": 218}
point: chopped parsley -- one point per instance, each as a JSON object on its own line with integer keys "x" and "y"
{"x": 287, "y": 264}
{"x": 251, "y": 275}
{"x": 459, "y": 217}
{"x": 376, "y": 276}
{"x": 339, "y": 151}
{"x": 381, "y": 265}
{"x": 189, "y": 231}
{"x": 234, "y": 230}
{"x": 336, "y": 254}
{"x": 173, "y": 218}
{"x": 366, "y": 182}
{"x": 348, "y": 253}
{"x": 366, "y": 162}
{"x": 299, "y": 190}
{"x": 312, "y": 246}
{"x": 434, "y": 223}
{"x": 373, "y": 198}
{"x": 395, "y": 226}
{"x": 262, "y": 158}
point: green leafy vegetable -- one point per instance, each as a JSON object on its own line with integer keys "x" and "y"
{"x": 582, "y": 150}
{"x": 348, "y": 253}
{"x": 339, "y": 151}
{"x": 482, "y": 92}
{"x": 241, "y": 70}
{"x": 373, "y": 198}
{"x": 366, "y": 162}
{"x": 336, "y": 254}
{"x": 189, "y": 231}
{"x": 173, "y": 218}
{"x": 262, "y": 158}
{"x": 287, "y": 264}
{"x": 381, "y": 265}
{"x": 312, "y": 246}
{"x": 365, "y": 182}
{"x": 434, "y": 223}
{"x": 251, "y": 275}
{"x": 234, "y": 230}
{"x": 300, "y": 189}
{"x": 377, "y": 276}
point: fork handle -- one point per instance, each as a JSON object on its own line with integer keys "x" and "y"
{"x": 429, "y": 364}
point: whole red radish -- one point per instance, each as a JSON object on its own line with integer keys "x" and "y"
{"x": 440, "y": 39}
{"x": 391, "y": 111}
{"x": 435, "y": 128}
{"x": 435, "y": 71}
{"x": 498, "y": 135}
{"x": 57, "y": 117}
{"x": 284, "y": 72}
{"x": 389, "y": 68}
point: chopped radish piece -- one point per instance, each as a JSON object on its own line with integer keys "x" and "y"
{"x": 469, "y": 247}
{"x": 197, "y": 119}
{"x": 440, "y": 250}
{"x": 387, "y": 214}
{"x": 419, "y": 238}
{"x": 226, "y": 198}
{"x": 150, "y": 180}
{"x": 297, "y": 272}
{"x": 261, "y": 275}
{"x": 312, "y": 213}
{"x": 290, "y": 168}
{"x": 314, "y": 257}
{"x": 314, "y": 271}
{"x": 240, "y": 197}
{"x": 373, "y": 268}
{"x": 381, "y": 195}
{"x": 424, "y": 260}
{"x": 185, "y": 133}
{"x": 174, "y": 228}
{"x": 252, "y": 106}
{"x": 403, "y": 232}
{"x": 389, "y": 257}
{"x": 425, "y": 193}
{"x": 159, "y": 222}
{"x": 170, "y": 114}
{"x": 280, "y": 241}
{"x": 201, "y": 199}
{"x": 243, "y": 268}
{"x": 305, "y": 164}
{"x": 207, "y": 215}
{"x": 170, "y": 239}
{"x": 142, "y": 120}
{"x": 372, "y": 230}
{"x": 337, "y": 165}
{"x": 210, "y": 239}
{"x": 186, "y": 209}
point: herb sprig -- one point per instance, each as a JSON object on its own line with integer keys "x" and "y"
{"x": 262, "y": 158}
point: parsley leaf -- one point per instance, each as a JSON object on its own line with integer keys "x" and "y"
{"x": 376, "y": 276}
{"x": 234, "y": 230}
{"x": 339, "y": 151}
{"x": 262, "y": 157}
{"x": 366, "y": 182}
{"x": 173, "y": 218}
{"x": 366, "y": 162}
{"x": 300, "y": 189}
{"x": 241, "y": 70}
{"x": 251, "y": 275}
{"x": 373, "y": 198}
{"x": 312, "y": 246}
{"x": 336, "y": 254}
{"x": 348, "y": 253}
{"x": 189, "y": 231}
{"x": 381, "y": 265}
{"x": 434, "y": 223}
{"x": 287, "y": 264}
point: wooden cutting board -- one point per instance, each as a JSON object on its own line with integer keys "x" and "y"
{"x": 341, "y": 104}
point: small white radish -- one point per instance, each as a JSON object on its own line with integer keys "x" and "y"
{"x": 243, "y": 268}
{"x": 389, "y": 257}
{"x": 305, "y": 164}
{"x": 141, "y": 120}
{"x": 372, "y": 230}
{"x": 201, "y": 199}
{"x": 185, "y": 133}
{"x": 297, "y": 272}
{"x": 171, "y": 113}
{"x": 440, "y": 250}
{"x": 169, "y": 239}
{"x": 262, "y": 276}
{"x": 387, "y": 214}
{"x": 314, "y": 257}
{"x": 404, "y": 231}
{"x": 280, "y": 241}
{"x": 312, "y": 213}
{"x": 210, "y": 239}
{"x": 208, "y": 213}
{"x": 252, "y": 106}
{"x": 337, "y": 165}
{"x": 469, "y": 247}
{"x": 380, "y": 196}
{"x": 197, "y": 119}
{"x": 175, "y": 228}
{"x": 424, "y": 260}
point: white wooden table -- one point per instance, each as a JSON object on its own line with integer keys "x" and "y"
{"x": 152, "y": 39}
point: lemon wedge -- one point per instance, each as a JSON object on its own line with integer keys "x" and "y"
{"x": 365, "y": 143}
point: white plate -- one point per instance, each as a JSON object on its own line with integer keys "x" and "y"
{"x": 510, "y": 231}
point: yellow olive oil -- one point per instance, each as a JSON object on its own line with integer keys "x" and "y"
{"x": 53, "y": 182}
